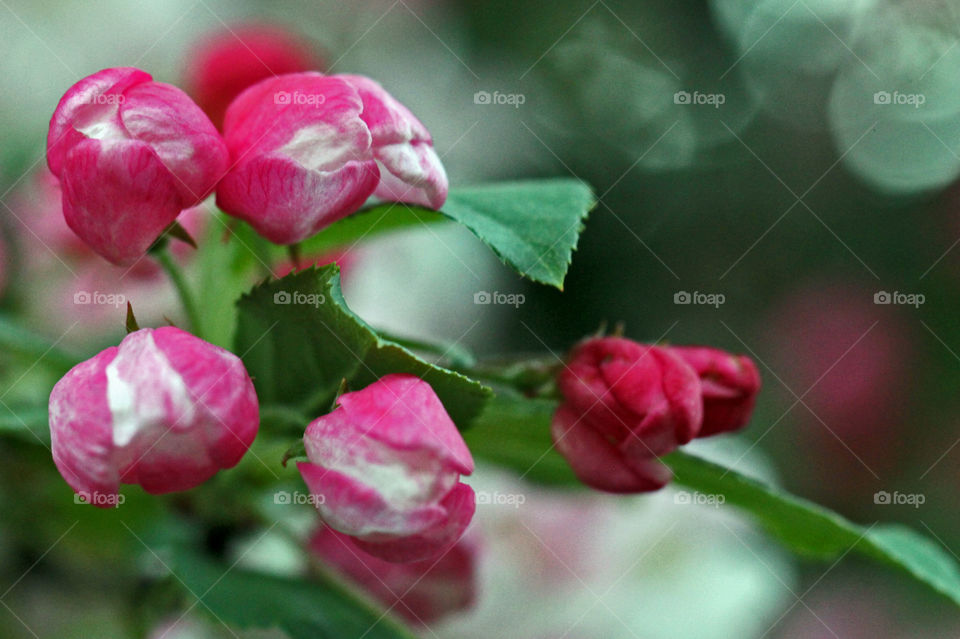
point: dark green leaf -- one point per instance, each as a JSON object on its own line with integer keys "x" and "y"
{"x": 317, "y": 609}
{"x": 299, "y": 339}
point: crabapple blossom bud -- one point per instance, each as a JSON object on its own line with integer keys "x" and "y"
{"x": 309, "y": 149}
{"x": 229, "y": 61}
{"x": 386, "y": 466}
{"x": 410, "y": 170}
{"x": 730, "y": 384}
{"x": 164, "y": 409}
{"x": 130, "y": 154}
{"x": 421, "y": 591}
{"x": 624, "y": 405}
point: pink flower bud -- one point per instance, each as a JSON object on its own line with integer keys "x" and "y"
{"x": 402, "y": 146}
{"x": 233, "y": 59}
{"x": 309, "y": 149}
{"x": 421, "y": 591}
{"x": 164, "y": 409}
{"x": 130, "y": 154}
{"x": 624, "y": 405}
{"x": 730, "y": 385}
{"x": 385, "y": 468}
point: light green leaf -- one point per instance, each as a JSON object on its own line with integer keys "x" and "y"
{"x": 299, "y": 339}
{"x": 531, "y": 225}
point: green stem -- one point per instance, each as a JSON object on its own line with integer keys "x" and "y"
{"x": 531, "y": 376}
{"x": 283, "y": 415}
{"x": 187, "y": 298}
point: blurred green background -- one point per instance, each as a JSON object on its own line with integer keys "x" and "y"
{"x": 793, "y": 162}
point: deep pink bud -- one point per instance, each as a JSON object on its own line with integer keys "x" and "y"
{"x": 164, "y": 409}
{"x": 420, "y": 591}
{"x": 624, "y": 405}
{"x": 231, "y": 60}
{"x": 385, "y": 467}
{"x": 310, "y": 149}
{"x": 130, "y": 154}
{"x": 730, "y": 385}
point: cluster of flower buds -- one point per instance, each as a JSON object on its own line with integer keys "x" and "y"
{"x": 293, "y": 154}
{"x": 626, "y": 404}
{"x": 298, "y": 152}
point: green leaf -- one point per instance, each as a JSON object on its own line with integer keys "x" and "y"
{"x": 532, "y": 225}
{"x": 812, "y": 530}
{"x": 17, "y": 339}
{"x": 299, "y": 339}
{"x": 367, "y": 224}
{"x": 26, "y": 422}
{"x": 317, "y": 609}
{"x": 514, "y": 432}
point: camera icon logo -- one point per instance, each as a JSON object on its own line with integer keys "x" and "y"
{"x": 281, "y": 97}
{"x": 482, "y": 97}
{"x": 881, "y": 497}
{"x": 282, "y": 497}
{"x": 281, "y": 297}
{"x": 882, "y": 297}
{"x": 681, "y": 97}
{"x": 682, "y": 297}
{"x": 882, "y": 97}
{"x": 81, "y": 297}
{"x": 482, "y": 297}
{"x": 683, "y": 497}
